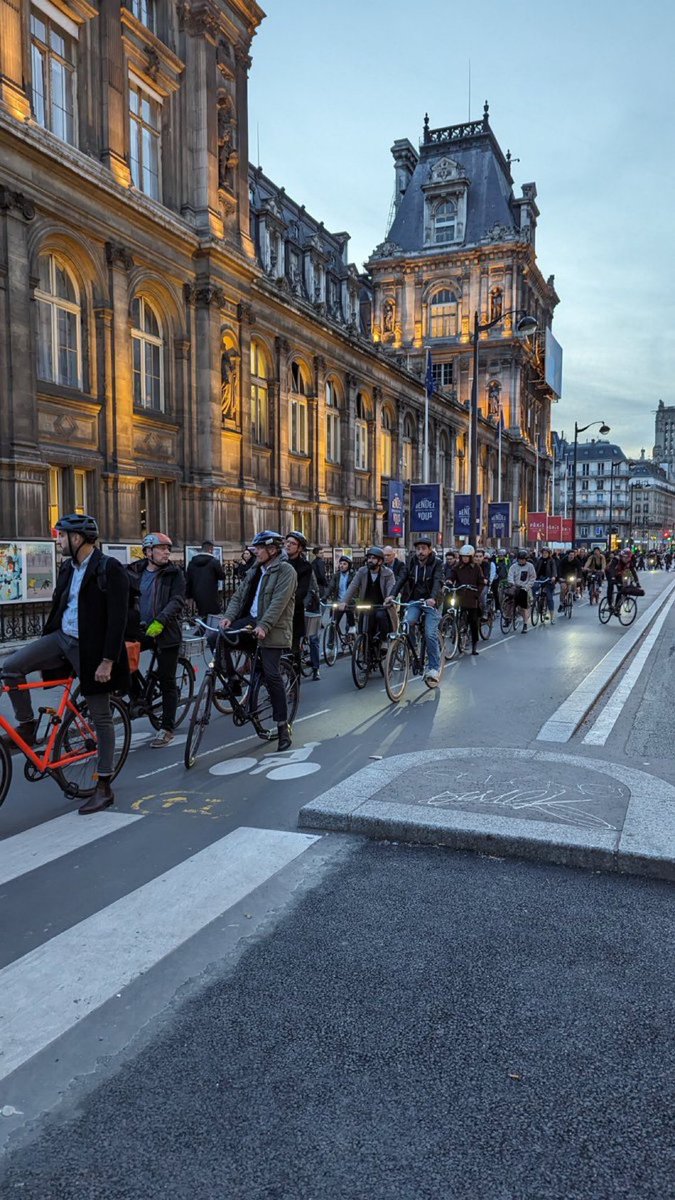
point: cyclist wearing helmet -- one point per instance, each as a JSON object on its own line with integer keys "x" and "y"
{"x": 545, "y": 570}
{"x": 469, "y": 575}
{"x": 521, "y": 577}
{"x": 306, "y": 596}
{"x": 620, "y": 573}
{"x": 160, "y": 586}
{"x": 373, "y": 584}
{"x": 339, "y": 585}
{"x": 83, "y": 634}
{"x": 266, "y": 600}
{"x": 569, "y": 569}
{"x": 423, "y": 584}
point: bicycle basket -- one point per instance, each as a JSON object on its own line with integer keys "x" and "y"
{"x": 312, "y": 624}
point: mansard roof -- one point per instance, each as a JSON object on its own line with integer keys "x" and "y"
{"x": 492, "y": 212}
{"x": 299, "y": 227}
{"x": 597, "y": 451}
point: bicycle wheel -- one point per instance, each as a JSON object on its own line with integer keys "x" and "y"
{"x": 447, "y": 631}
{"x": 628, "y": 610}
{"x": 260, "y": 701}
{"x": 5, "y": 772}
{"x": 569, "y": 605}
{"x": 505, "y": 620}
{"x": 397, "y": 668}
{"x": 201, "y": 715}
{"x": 185, "y": 682}
{"x": 360, "y": 661}
{"x": 462, "y": 633}
{"x": 304, "y": 658}
{"x": 534, "y": 619}
{"x": 485, "y": 628}
{"x": 604, "y": 610}
{"x": 518, "y": 622}
{"x": 77, "y": 736}
{"x": 330, "y": 644}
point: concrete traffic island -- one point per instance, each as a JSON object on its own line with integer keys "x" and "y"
{"x": 535, "y": 804}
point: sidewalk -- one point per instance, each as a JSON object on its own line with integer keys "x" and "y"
{"x": 536, "y": 804}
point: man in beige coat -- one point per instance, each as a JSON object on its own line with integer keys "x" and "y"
{"x": 265, "y": 600}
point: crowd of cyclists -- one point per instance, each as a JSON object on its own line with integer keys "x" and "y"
{"x": 103, "y": 615}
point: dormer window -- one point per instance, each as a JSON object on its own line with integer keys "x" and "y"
{"x": 445, "y": 222}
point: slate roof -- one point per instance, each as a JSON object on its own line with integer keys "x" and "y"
{"x": 595, "y": 451}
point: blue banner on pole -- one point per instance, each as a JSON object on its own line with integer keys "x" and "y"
{"x": 499, "y": 519}
{"x": 463, "y": 513}
{"x": 425, "y": 508}
{"x": 395, "y": 506}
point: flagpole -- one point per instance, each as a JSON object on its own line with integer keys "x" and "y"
{"x": 428, "y": 387}
{"x": 499, "y": 468}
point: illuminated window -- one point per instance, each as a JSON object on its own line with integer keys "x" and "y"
{"x": 332, "y": 424}
{"x": 80, "y": 485}
{"x": 55, "y": 495}
{"x": 445, "y": 222}
{"x": 386, "y": 446}
{"x": 148, "y": 354}
{"x": 53, "y": 66}
{"x": 361, "y": 435}
{"x": 298, "y": 410}
{"x": 144, "y": 128}
{"x": 443, "y": 315}
{"x": 59, "y": 324}
{"x": 259, "y": 396}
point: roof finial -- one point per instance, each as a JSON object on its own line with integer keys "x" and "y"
{"x": 426, "y": 127}
{"x": 486, "y": 114}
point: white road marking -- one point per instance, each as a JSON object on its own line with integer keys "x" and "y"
{"x": 564, "y": 722}
{"x": 252, "y": 737}
{"x": 44, "y": 843}
{"x": 280, "y": 764}
{"x": 607, "y": 719}
{"x": 51, "y": 989}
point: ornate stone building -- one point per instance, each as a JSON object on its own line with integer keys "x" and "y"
{"x": 462, "y": 244}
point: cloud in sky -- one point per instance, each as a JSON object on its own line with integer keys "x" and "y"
{"x": 582, "y": 94}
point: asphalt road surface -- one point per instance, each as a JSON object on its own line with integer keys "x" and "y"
{"x": 195, "y": 915}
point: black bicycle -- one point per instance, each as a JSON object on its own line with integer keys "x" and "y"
{"x": 146, "y": 694}
{"x": 406, "y": 652}
{"x": 245, "y": 693}
{"x": 335, "y": 639}
{"x": 454, "y": 630}
{"x": 540, "y": 609}
{"x": 369, "y": 651}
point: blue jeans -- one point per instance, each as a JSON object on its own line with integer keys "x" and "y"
{"x": 431, "y": 622}
{"x": 547, "y": 586}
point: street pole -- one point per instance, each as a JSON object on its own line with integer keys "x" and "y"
{"x": 611, "y": 505}
{"x": 574, "y": 486}
{"x": 499, "y": 467}
{"x": 426, "y": 435}
{"x": 473, "y": 479}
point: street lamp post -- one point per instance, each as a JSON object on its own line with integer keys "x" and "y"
{"x": 525, "y": 326}
{"x": 604, "y": 428}
{"x": 612, "y": 467}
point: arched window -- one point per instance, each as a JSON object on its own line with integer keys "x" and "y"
{"x": 443, "y": 314}
{"x": 409, "y": 435}
{"x": 445, "y": 222}
{"x": 259, "y": 396}
{"x": 361, "y": 434}
{"x": 148, "y": 350}
{"x": 386, "y": 445}
{"x": 298, "y": 410}
{"x": 332, "y": 424}
{"x": 59, "y": 323}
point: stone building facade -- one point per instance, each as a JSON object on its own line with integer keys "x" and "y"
{"x": 664, "y": 437}
{"x": 462, "y": 244}
{"x": 182, "y": 345}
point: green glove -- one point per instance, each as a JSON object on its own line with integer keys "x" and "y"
{"x": 154, "y": 629}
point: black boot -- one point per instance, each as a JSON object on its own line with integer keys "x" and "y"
{"x": 26, "y": 730}
{"x": 285, "y": 736}
{"x": 102, "y": 798}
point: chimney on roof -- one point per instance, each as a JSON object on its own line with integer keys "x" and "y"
{"x": 405, "y": 161}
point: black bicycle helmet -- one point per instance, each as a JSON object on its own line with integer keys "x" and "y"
{"x": 299, "y": 537}
{"x": 375, "y": 552}
{"x": 521, "y": 554}
{"x": 78, "y": 523}
{"x": 267, "y": 537}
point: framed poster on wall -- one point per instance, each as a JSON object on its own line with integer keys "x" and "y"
{"x": 27, "y": 572}
{"x": 191, "y": 551}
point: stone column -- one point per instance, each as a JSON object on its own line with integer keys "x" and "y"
{"x": 280, "y": 459}
{"x": 201, "y": 116}
{"x": 246, "y": 322}
{"x": 243, "y": 63}
{"x": 103, "y": 317}
{"x": 121, "y": 427}
{"x": 115, "y": 116}
{"x": 209, "y": 301}
{"x": 347, "y": 439}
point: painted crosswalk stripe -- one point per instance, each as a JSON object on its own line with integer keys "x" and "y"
{"x": 44, "y": 843}
{"x": 49, "y": 990}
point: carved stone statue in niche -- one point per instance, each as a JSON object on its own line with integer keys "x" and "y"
{"x": 226, "y": 144}
{"x": 494, "y": 398}
{"x": 388, "y": 316}
{"x": 496, "y": 304}
{"x": 229, "y": 400}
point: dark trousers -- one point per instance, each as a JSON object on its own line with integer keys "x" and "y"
{"x": 473, "y": 617}
{"x": 270, "y": 658}
{"x": 167, "y": 663}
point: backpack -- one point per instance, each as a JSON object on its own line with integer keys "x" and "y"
{"x": 131, "y": 629}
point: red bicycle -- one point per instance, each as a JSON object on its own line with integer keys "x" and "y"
{"x": 65, "y": 742}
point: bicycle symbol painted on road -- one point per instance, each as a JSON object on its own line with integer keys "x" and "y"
{"x": 287, "y": 764}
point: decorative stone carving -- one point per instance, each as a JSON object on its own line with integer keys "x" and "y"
{"x": 210, "y": 294}
{"x": 388, "y": 314}
{"x": 199, "y": 19}
{"x": 117, "y": 255}
{"x": 227, "y": 156}
{"x": 494, "y": 396}
{"x": 16, "y": 200}
{"x": 502, "y": 233}
{"x": 242, "y": 57}
{"x": 387, "y": 250}
{"x": 229, "y": 387}
{"x": 446, "y": 169}
{"x": 189, "y": 293}
{"x": 245, "y": 313}
{"x": 153, "y": 62}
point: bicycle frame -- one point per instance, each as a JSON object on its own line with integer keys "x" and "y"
{"x": 44, "y": 763}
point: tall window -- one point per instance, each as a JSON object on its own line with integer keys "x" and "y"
{"x": 59, "y": 329}
{"x": 80, "y": 485}
{"x": 53, "y": 62}
{"x": 144, "y": 127}
{"x": 148, "y": 348}
{"x": 442, "y": 373}
{"x": 146, "y": 12}
{"x": 332, "y": 424}
{"x": 298, "y": 411}
{"x": 443, "y": 315}
{"x": 409, "y": 434}
{"x": 445, "y": 222}
{"x": 259, "y": 396}
{"x": 55, "y": 495}
{"x": 361, "y": 435}
{"x": 386, "y": 455}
